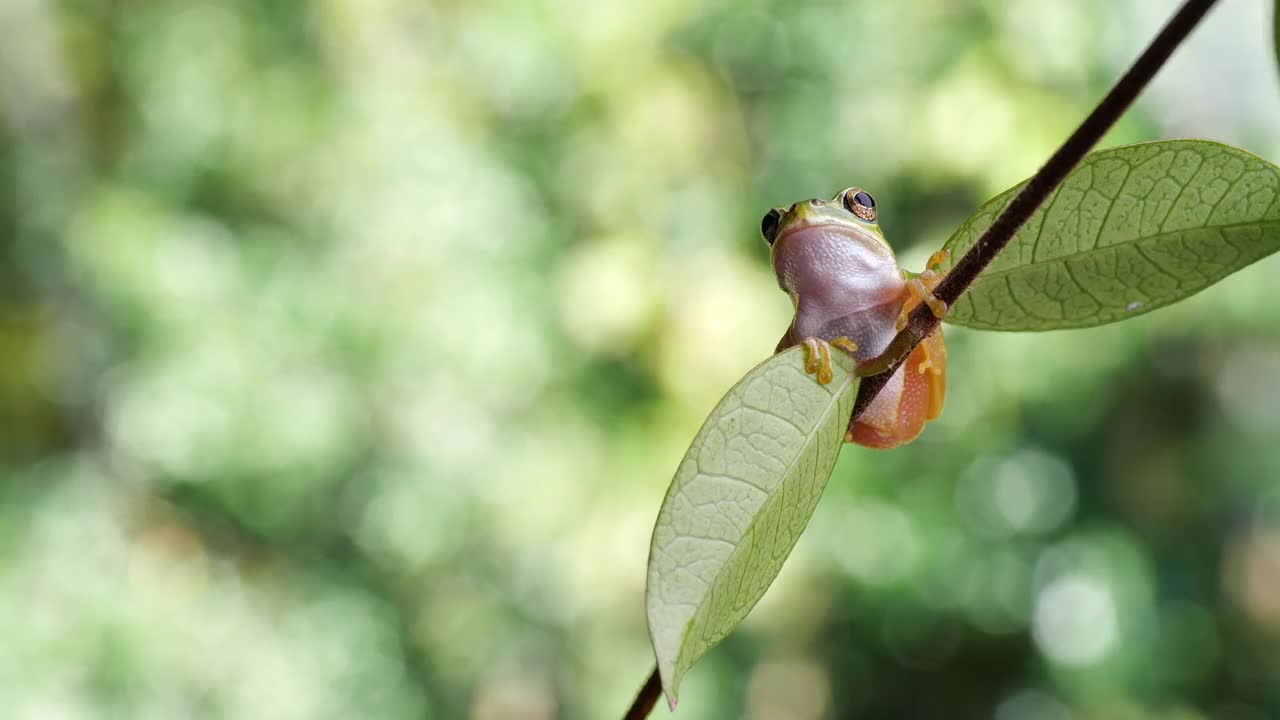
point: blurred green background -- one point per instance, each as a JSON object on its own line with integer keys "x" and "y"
{"x": 347, "y": 349}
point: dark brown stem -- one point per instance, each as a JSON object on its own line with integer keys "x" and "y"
{"x": 922, "y": 321}
{"x": 646, "y": 698}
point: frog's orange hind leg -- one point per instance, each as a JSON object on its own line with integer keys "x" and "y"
{"x": 930, "y": 360}
{"x": 911, "y": 397}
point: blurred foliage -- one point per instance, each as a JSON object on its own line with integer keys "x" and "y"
{"x": 349, "y": 346}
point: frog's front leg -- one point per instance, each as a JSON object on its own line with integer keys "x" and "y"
{"x": 920, "y": 289}
{"x": 817, "y": 355}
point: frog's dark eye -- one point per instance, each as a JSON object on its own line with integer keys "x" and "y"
{"x": 769, "y": 225}
{"x": 860, "y": 203}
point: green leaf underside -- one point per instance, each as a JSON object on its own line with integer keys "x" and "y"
{"x": 1132, "y": 229}
{"x": 740, "y": 499}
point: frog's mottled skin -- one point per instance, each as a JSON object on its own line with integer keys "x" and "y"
{"x": 845, "y": 283}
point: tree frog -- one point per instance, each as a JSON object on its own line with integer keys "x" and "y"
{"x": 831, "y": 257}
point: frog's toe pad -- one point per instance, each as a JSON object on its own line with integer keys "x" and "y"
{"x": 845, "y": 344}
{"x": 937, "y": 259}
{"x": 817, "y": 359}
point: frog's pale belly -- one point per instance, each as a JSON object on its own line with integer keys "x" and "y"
{"x": 872, "y": 328}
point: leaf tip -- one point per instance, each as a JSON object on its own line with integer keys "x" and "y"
{"x": 670, "y": 687}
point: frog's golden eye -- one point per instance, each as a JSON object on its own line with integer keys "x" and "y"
{"x": 860, "y": 203}
{"x": 769, "y": 225}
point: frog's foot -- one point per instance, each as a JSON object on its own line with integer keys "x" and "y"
{"x": 817, "y": 359}
{"x": 922, "y": 287}
{"x": 921, "y": 290}
{"x": 817, "y": 355}
{"x": 929, "y": 280}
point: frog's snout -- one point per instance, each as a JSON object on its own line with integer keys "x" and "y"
{"x": 814, "y": 202}
{"x": 803, "y": 209}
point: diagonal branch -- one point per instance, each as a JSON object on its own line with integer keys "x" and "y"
{"x": 922, "y": 322}
{"x": 646, "y": 698}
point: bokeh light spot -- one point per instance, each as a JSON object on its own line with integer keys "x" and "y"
{"x": 1075, "y": 620}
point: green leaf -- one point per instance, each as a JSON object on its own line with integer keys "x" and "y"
{"x": 739, "y": 501}
{"x": 1133, "y": 229}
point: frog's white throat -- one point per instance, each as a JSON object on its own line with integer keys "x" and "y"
{"x": 844, "y": 282}
{"x": 834, "y": 270}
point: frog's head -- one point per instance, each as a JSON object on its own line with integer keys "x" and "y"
{"x": 852, "y": 211}
{"x": 815, "y": 238}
